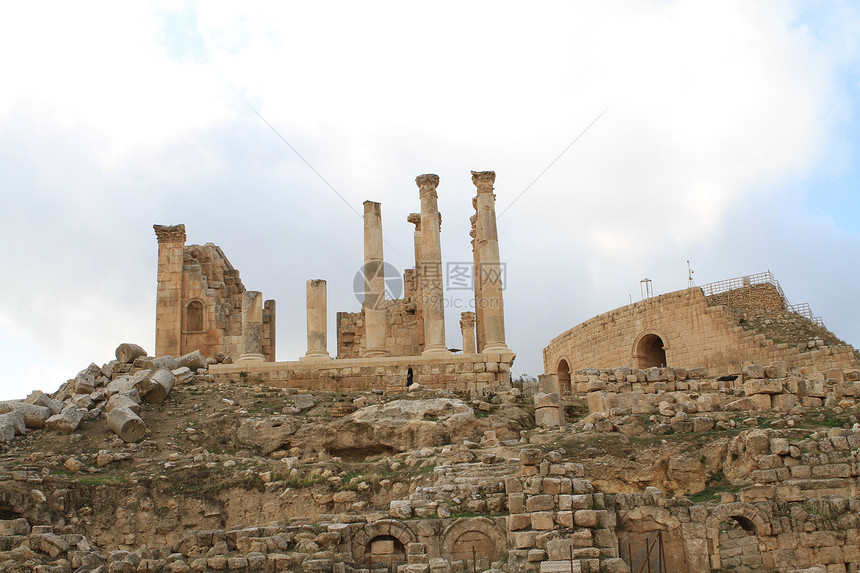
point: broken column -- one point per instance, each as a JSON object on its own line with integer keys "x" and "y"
{"x": 431, "y": 267}
{"x": 317, "y": 320}
{"x": 467, "y": 326}
{"x": 373, "y": 343}
{"x": 252, "y": 326}
{"x": 168, "y": 298}
{"x": 490, "y": 273}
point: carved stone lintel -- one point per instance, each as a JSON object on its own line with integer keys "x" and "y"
{"x": 170, "y": 233}
{"x": 484, "y": 180}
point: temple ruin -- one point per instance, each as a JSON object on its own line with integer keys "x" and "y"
{"x": 202, "y": 305}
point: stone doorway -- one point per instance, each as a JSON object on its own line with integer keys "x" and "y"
{"x": 385, "y": 550}
{"x": 563, "y": 373}
{"x": 650, "y": 351}
{"x": 474, "y": 546}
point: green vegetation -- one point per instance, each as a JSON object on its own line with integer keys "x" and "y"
{"x": 716, "y": 484}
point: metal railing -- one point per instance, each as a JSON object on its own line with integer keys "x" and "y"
{"x": 726, "y": 285}
{"x": 651, "y": 558}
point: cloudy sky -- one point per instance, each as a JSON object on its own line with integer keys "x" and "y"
{"x": 729, "y": 136}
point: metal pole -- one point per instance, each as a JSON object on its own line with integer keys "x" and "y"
{"x": 474, "y": 561}
{"x": 571, "y": 558}
{"x": 662, "y": 554}
{"x": 648, "y": 553}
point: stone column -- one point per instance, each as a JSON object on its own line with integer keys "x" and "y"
{"x": 490, "y": 268}
{"x": 317, "y": 320}
{"x": 373, "y": 343}
{"x": 467, "y": 327}
{"x": 252, "y": 326}
{"x": 418, "y": 298}
{"x": 168, "y": 298}
{"x": 480, "y": 339}
{"x": 431, "y": 267}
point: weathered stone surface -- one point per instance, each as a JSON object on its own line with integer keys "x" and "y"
{"x": 34, "y": 416}
{"x": 67, "y": 421}
{"x": 126, "y": 424}
{"x": 11, "y": 425}
{"x": 126, "y": 353}
{"x": 160, "y": 386}
{"x": 192, "y": 361}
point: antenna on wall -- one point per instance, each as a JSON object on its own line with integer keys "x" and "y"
{"x": 690, "y": 282}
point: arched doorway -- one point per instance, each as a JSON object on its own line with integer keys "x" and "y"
{"x": 563, "y": 374}
{"x": 474, "y": 547}
{"x": 385, "y": 549}
{"x": 650, "y": 351}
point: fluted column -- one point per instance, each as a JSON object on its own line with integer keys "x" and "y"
{"x": 252, "y": 326}
{"x": 431, "y": 267}
{"x": 490, "y": 275}
{"x": 317, "y": 320}
{"x": 467, "y": 327}
{"x": 373, "y": 343}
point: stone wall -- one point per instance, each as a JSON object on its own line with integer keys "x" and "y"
{"x": 456, "y": 372}
{"x": 692, "y": 334}
{"x": 668, "y": 391}
{"x": 404, "y": 331}
{"x": 760, "y": 297}
{"x": 199, "y": 303}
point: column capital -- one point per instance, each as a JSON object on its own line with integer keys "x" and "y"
{"x": 484, "y": 180}
{"x": 467, "y": 319}
{"x": 427, "y": 182}
{"x": 415, "y": 219}
{"x": 170, "y": 233}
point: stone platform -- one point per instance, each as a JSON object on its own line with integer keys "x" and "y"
{"x": 455, "y": 372}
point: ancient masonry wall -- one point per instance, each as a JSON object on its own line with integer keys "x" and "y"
{"x": 694, "y": 334}
{"x": 762, "y": 297}
{"x": 456, "y": 372}
{"x": 404, "y": 332}
{"x": 199, "y": 300}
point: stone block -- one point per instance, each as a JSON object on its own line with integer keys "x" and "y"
{"x": 515, "y": 502}
{"x": 779, "y": 446}
{"x": 519, "y": 521}
{"x": 763, "y": 386}
{"x": 753, "y": 371}
{"x": 542, "y": 520}
{"x": 585, "y": 518}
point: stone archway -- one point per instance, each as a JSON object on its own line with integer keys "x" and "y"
{"x": 386, "y": 537}
{"x": 649, "y": 351}
{"x": 477, "y": 536}
{"x": 562, "y": 372}
{"x": 733, "y": 531}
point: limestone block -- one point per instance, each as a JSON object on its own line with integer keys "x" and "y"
{"x": 160, "y": 386}
{"x": 753, "y": 371}
{"x": 783, "y": 402}
{"x": 779, "y": 446}
{"x": 66, "y": 422}
{"x": 812, "y": 388}
{"x": 34, "y": 416}
{"x": 11, "y": 425}
{"x": 39, "y": 398}
{"x": 585, "y": 518}
{"x": 539, "y": 503}
{"x": 763, "y": 386}
{"x": 542, "y": 520}
{"x": 564, "y": 519}
{"x": 519, "y": 521}
{"x": 757, "y": 443}
{"x": 516, "y": 502}
{"x": 703, "y": 424}
{"x": 597, "y": 402}
{"x": 530, "y": 456}
{"x": 182, "y": 374}
{"x": 548, "y": 417}
{"x": 776, "y": 370}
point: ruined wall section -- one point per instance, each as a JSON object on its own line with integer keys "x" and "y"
{"x": 211, "y": 280}
{"x": 199, "y": 300}
{"x": 764, "y": 297}
{"x": 404, "y": 332}
{"x": 694, "y": 334}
